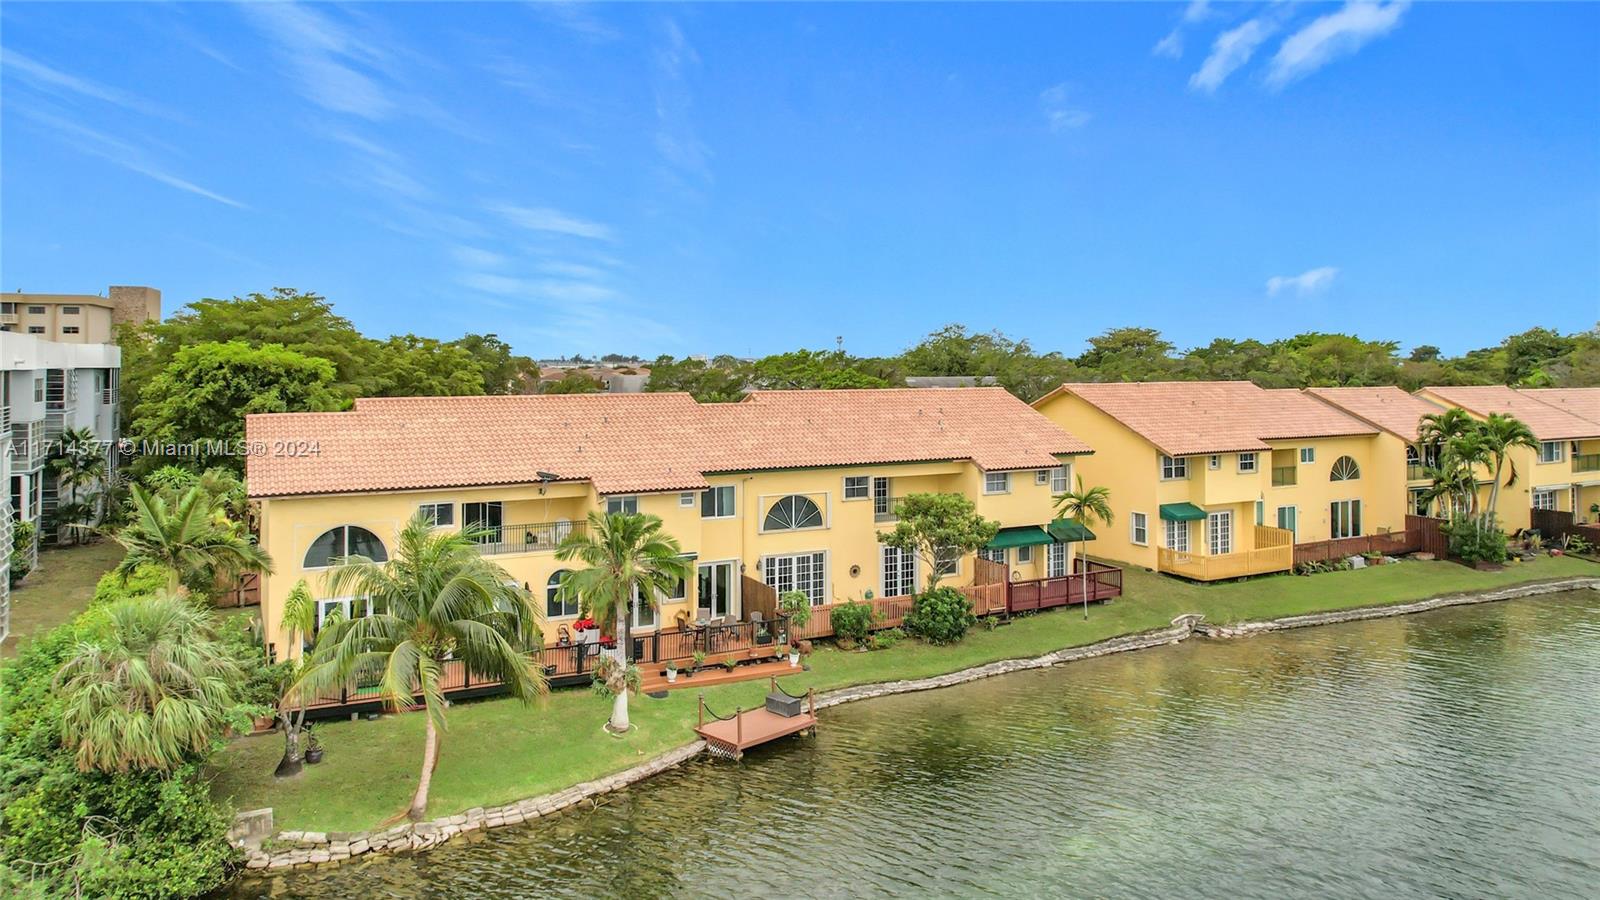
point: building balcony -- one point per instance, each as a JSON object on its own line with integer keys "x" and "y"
{"x": 1416, "y": 471}
{"x": 1586, "y": 462}
{"x": 27, "y": 445}
{"x": 9, "y": 319}
{"x": 536, "y": 537}
{"x": 883, "y": 509}
{"x": 1285, "y": 476}
{"x": 1273, "y": 551}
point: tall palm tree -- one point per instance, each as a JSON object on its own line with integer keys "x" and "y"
{"x": 627, "y": 556}
{"x": 149, "y": 688}
{"x": 1456, "y": 435}
{"x": 435, "y": 600}
{"x": 79, "y": 468}
{"x": 185, "y": 540}
{"x": 299, "y": 621}
{"x": 1497, "y": 434}
{"x": 1085, "y": 506}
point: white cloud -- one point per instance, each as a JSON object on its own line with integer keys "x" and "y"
{"x": 58, "y": 82}
{"x": 1305, "y": 284}
{"x": 1197, "y": 10}
{"x": 675, "y": 138}
{"x": 326, "y": 58}
{"x": 1333, "y": 35}
{"x": 578, "y": 19}
{"x": 553, "y": 221}
{"x": 1172, "y": 44}
{"x": 1232, "y": 49}
{"x": 1060, "y": 112}
{"x": 477, "y": 258}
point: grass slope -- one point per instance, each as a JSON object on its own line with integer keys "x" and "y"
{"x": 58, "y": 589}
{"x": 497, "y": 751}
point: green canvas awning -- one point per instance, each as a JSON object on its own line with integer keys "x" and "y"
{"x": 1020, "y": 536}
{"x": 1068, "y": 530}
{"x": 1182, "y": 512}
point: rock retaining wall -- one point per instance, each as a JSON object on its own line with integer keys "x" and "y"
{"x": 289, "y": 849}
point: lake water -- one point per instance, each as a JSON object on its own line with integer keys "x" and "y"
{"x": 1450, "y": 754}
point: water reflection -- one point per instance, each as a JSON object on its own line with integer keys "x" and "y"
{"x": 1449, "y": 754}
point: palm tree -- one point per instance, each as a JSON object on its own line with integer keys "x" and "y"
{"x": 435, "y": 600}
{"x": 1497, "y": 434}
{"x": 299, "y": 620}
{"x": 1456, "y": 435}
{"x": 79, "y": 466}
{"x": 1085, "y": 506}
{"x": 629, "y": 558}
{"x": 185, "y": 540}
{"x": 149, "y": 689}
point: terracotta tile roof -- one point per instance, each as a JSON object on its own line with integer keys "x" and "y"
{"x": 1388, "y": 408}
{"x": 1189, "y": 418}
{"x": 1581, "y": 402}
{"x": 625, "y": 443}
{"x": 1548, "y": 421}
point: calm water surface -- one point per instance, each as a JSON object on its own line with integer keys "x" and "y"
{"x": 1452, "y": 754}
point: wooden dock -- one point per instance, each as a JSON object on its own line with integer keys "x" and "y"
{"x": 730, "y": 736}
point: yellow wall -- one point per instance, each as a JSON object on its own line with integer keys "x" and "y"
{"x": 1130, "y": 467}
{"x": 849, "y": 534}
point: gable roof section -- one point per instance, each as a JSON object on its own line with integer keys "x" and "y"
{"x": 1388, "y": 408}
{"x": 1548, "y": 421}
{"x": 1191, "y": 418}
{"x": 1581, "y": 402}
{"x": 626, "y": 443}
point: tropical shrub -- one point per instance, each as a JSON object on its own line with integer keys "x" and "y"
{"x": 21, "y": 539}
{"x": 142, "y": 582}
{"x": 853, "y": 621}
{"x": 940, "y": 616}
{"x": 796, "y": 606}
{"x": 1476, "y": 540}
{"x": 883, "y": 640}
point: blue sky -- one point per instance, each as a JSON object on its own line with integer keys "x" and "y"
{"x": 749, "y": 179}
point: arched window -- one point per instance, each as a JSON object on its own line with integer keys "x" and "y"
{"x": 346, "y": 540}
{"x": 1344, "y": 469}
{"x": 554, "y": 606}
{"x": 791, "y": 512}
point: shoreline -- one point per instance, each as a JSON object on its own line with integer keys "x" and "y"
{"x": 322, "y": 848}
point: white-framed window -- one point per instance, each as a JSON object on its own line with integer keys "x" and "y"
{"x": 628, "y": 504}
{"x": 644, "y": 614}
{"x": 488, "y": 519}
{"x": 1308, "y": 455}
{"x": 899, "y": 572}
{"x": 686, "y": 498}
{"x": 69, "y": 329}
{"x": 803, "y": 572}
{"x": 344, "y": 540}
{"x": 1055, "y": 559}
{"x": 882, "y": 503}
{"x": 1173, "y": 468}
{"x": 717, "y": 503}
{"x": 1024, "y": 555}
{"x": 1178, "y": 536}
{"x": 997, "y": 482}
{"x": 1344, "y": 519}
{"x": 1058, "y": 480}
{"x": 947, "y": 560}
{"x": 1344, "y": 469}
{"x": 1544, "y": 498}
{"x": 438, "y": 514}
{"x": 857, "y": 487}
{"x": 554, "y": 606}
{"x": 1139, "y": 528}
{"x": 348, "y": 607}
{"x": 1289, "y": 520}
{"x": 1219, "y": 532}
{"x": 1247, "y": 462}
{"x": 993, "y": 554}
{"x": 1552, "y": 451}
{"x": 1041, "y": 477}
{"x": 792, "y": 513}
{"x": 38, "y": 386}
{"x": 1214, "y": 461}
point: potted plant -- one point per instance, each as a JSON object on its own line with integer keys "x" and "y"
{"x": 795, "y": 607}
{"x": 672, "y": 673}
{"x": 730, "y": 664}
{"x": 699, "y": 660}
{"x": 793, "y": 653}
{"x": 1373, "y": 558}
{"x": 313, "y": 748}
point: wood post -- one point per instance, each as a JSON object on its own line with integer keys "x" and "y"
{"x": 700, "y": 717}
{"x": 738, "y": 727}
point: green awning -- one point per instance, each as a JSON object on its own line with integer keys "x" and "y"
{"x": 1020, "y": 536}
{"x": 1182, "y": 512}
{"x": 1068, "y": 530}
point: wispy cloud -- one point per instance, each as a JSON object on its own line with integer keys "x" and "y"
{"x": 123, "y": 153}
{"x": 1305, "y": 284}
{"x": 675, "y": 136}
{"x": 577, "y": 18}
{"x": 552, "y": 221}
{"x": 61, "y": 83}
{"x": 477, "y": 258}
{"x": 1172, "y": 44}
{"x": 326, "y": 58}
{"x": 1060, "y": 113}
{"x": 1336, "y": 34}
{"x": 1232, "y": 49}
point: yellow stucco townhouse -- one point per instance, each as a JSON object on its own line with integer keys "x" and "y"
{"x": 1398, "y": 417}
{"x": 1564, "y": 472}
{"x": 1214, "y": 480}
{"x": 786, "y": 490}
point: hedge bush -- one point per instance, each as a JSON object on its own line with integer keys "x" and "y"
{"x": 853, "y": 621}
{"x": 940, "y": 616}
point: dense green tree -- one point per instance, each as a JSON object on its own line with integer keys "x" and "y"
{"x": 574, "y": 381}
{"x": 411, "y": 366}
{"x": 940, "y": 529}
{"x": 811, "y": 369}
{"x": 503, "y": 372}
{"x": 1528, "y": 354}
{"x": 1129, "y": 354}
{"x": 722, "y": 380}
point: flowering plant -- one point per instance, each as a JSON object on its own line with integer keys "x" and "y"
{"x": 584, "y": 624}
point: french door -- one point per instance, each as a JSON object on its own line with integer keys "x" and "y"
{"x": 1289, "y": 520}
{"x": 1344, "y": 519}
{"x": 1219, "y": 532}
{"x": 715, "y": 586}
{"x": 486, "y": 518}
{"x": 899, "y": 572}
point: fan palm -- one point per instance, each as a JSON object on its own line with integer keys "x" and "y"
{"x": 185, "y": 540}
{"x": 628, "y": 558}
{"x": 1085, "y": 506}
{"x": 149, "y": 688}
{"x": 435, "y": 599}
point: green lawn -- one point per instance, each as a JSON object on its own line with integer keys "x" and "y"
{"x": 497, "y": 751}
{"x": 58, "y": 589}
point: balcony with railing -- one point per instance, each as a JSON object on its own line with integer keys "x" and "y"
{"x": 1416, "y": 471}
{"x": 1285, "y": 476}
{"x": 27, "y": 445}
{"x": 1272, "y": 551}
{"x": 536, "y": 537}
{"x": 1586, "y": 462}
{"x": 883, "y": 509}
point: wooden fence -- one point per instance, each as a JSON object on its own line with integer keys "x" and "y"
{"x": 1556, "y": 525}
{"x": 244, "y": 592}
{"x": 1389, "y": 543}
{"x": 1430, "y": 535}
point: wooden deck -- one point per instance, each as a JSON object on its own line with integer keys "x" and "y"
{"x": 653, "y": 681}
{"x": 730, "y": 736}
